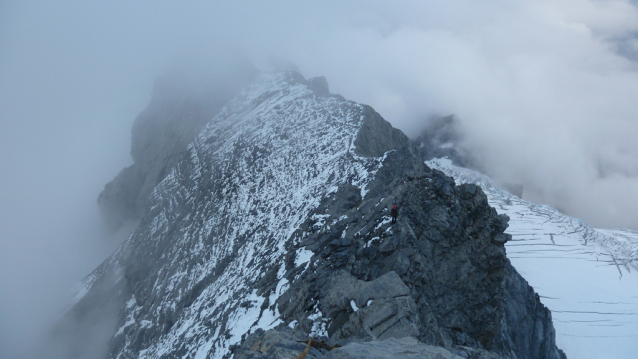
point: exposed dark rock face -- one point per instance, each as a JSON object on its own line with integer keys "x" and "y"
{"x": 447, "y": 247}
{"x": 273, "y": 224}
{"x": 527, "y": 319}
{"x": 319, "y": 85}
{"x": 382, "y": 308}
{"x": 377, "y": 136}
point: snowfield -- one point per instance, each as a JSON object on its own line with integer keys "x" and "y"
{"x": 587, "y": 277}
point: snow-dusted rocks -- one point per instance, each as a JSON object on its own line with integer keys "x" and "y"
{"x": 281, "y": 200}
{"x": 215, "y": 229}
{"x": 443, "y": 249}
{"x": 180, "y": 106}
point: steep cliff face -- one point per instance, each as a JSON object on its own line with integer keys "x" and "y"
{"x": 586, "y": 276}
{"x": 454, "y": 285}
{"x": 275, "y": 220}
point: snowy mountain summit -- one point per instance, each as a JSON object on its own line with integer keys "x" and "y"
{"x": 273, "y": 224}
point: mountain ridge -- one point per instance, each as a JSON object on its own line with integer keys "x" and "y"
{"x": 263, "y": 201}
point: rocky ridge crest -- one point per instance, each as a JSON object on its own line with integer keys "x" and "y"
{"x": 273, "y": 224}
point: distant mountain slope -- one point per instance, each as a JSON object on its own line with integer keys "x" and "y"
{"x": 587, "y": 277}
{"x": 181, "y": 105}
{"x": 273, "y": 222}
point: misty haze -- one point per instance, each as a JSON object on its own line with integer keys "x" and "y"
{"x": 207, "y": 178}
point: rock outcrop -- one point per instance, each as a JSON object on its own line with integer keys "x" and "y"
{"x": 282, "y": 344}
{"x": 447, "y": 248}
{"x": 274, "y": 225}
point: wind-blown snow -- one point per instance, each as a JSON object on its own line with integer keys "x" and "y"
{"x": 587, "y": 277}
{"x": 219, "y": 221}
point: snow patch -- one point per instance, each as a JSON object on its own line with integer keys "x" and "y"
{"x": 353, "y": 305}
{"x": 303, "y": 256}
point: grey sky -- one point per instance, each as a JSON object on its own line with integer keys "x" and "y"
{"x": 546, "y": 91}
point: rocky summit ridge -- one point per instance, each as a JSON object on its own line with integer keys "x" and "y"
{"x": 272, "y": 225}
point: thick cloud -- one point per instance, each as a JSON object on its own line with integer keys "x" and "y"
{"x": 545, "y": 91}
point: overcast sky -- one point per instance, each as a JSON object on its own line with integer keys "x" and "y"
{"x": 546, "y": 91}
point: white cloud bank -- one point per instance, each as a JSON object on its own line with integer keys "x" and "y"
{"x": 547, "y": 90}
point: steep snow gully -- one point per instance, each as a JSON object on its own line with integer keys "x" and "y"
{"x": 273, "y": 224}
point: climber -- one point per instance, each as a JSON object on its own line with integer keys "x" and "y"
{"x": 394, "y": 213}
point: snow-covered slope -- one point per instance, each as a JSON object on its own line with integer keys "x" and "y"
{"x": 587, "y": 277}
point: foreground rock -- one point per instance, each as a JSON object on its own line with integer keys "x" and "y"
{"x": 282, "y": 345}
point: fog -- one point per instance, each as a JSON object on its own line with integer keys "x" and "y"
{"x": 545, "y": 92}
